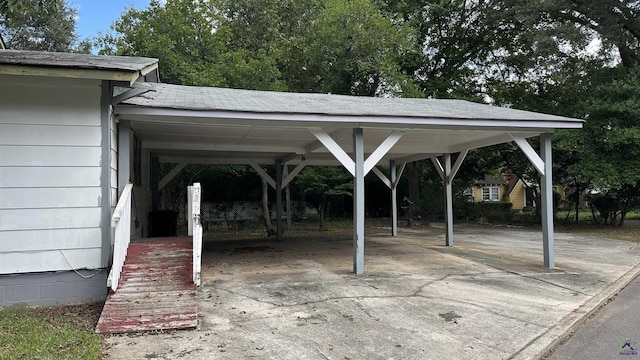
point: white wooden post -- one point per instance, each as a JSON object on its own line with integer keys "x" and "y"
{"x": 279, "y": 224}
{"x": 358, "y": 202}
{"x": 121, "y": 223}
{"x": 394, "y": 198}
{"x": 448, "y": 199}
{"x": 197, "y": 233}
{"x": 190, "y": 210}
{"x": 546, "y": 189}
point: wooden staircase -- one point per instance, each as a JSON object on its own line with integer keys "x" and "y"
{"x": 156, "y": 289}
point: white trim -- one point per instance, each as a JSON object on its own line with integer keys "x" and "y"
{"x": 172, "y": 174}
{"x": 530, "y": 153}
{"x": 382, "y": 177}
{"x": 438, "y": 166}
{"x": 263, "y": 174}
{"x": 335, "y": 149}
{"x": 382, "y": 150}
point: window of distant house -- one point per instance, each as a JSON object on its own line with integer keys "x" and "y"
{"x": 491, "y": 193}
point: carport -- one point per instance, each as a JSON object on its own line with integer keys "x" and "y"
{"x": 203, "y": 125}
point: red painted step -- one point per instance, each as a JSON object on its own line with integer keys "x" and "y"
{"x": 156, "y": 291}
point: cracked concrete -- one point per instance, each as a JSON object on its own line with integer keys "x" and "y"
{"x": 488, "y": 297}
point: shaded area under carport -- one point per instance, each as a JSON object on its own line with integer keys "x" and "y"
{"x": 486, "y": 298}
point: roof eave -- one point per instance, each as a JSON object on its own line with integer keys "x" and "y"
{"x": 312, "y": 120}
{"x": 126, "y": 76}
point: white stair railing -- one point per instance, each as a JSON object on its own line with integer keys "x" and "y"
{"x": 121, "y": 224}
{"x": 195, "y": 228}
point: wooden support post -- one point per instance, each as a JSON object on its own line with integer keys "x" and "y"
{"x": 448, "y": 199}
{"x": 358, "y": 201}
{"x": 546, "y": 188}
{"x": 394, "y": 198}
{"x": 279, "y": 212}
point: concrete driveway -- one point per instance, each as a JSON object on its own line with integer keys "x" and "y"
{"x": 488, "y": 297}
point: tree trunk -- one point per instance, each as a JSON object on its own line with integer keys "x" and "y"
{"x": 265, "y": 209}
{"x": 321, "y": 211}
{"x": 577, "y": 198}
{"x": 414, "y": 193}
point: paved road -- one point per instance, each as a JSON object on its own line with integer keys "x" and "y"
{"x": 613, "y": 333}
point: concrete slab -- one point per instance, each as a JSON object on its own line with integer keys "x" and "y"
{"x": 488, "y": 297}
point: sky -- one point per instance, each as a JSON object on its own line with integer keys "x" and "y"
{"x": 97, "y": 15}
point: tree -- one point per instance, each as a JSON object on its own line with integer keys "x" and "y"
{"x": 317, "y": 183}
{"x": 43, "y": 25}
{"x": 351, "y": 48}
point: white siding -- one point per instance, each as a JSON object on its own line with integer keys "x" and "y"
{"x": 50, "y": 167}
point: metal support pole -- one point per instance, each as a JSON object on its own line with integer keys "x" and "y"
{"x": 279, "y": 211}
{"x": 358, "y": 202}
{"x": 448, "y": 199}
{"x": 546, "y": 196}
{"x": 394, "y": 199}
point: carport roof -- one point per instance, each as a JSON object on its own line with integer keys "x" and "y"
{"x": 219, "y": 125}
{"x": 236, "y": 100}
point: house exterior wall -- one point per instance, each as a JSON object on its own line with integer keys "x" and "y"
{"x": 50, "y": 187}
{"x": 517, "y": 196}
{"x": 477, "y": 192}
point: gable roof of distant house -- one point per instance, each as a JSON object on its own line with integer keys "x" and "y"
{"x": 492, "y": 181}
{"x": 72, "y": 65}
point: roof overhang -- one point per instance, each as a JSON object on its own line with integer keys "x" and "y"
{"x": 227, "y": 126}
{"x": 126, "y": 70}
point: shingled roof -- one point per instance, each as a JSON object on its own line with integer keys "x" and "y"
{"x": 222, "y": 99}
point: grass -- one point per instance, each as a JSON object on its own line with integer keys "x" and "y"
{"x": 628, "y": 232}
{"x": 59, "y": 332}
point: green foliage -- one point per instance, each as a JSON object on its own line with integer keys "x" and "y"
{"x": 343, "y": 47}
{"x": 43, "y": 25}
{"x": 26, "y": 334}
{"x": 489, "y": 212}
{"x": 351, "y": 48}
{"x": 536, "y": 56}
{"x": 315, "y": 183}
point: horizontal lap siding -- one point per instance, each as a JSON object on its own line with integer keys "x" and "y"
{"x": 50, "y": 167}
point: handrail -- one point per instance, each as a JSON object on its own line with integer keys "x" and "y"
{"x": 121, "y": 222}
{"x": 195, "y": 195}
